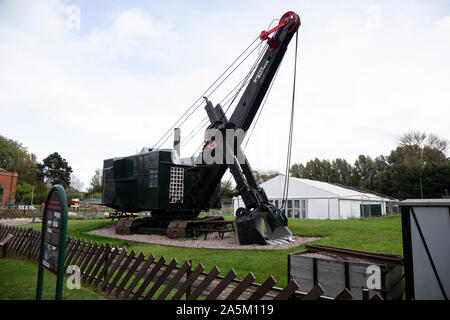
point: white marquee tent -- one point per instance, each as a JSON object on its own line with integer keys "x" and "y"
{"x": 309, "y": 199}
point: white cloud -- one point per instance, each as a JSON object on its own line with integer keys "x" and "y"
{"x": 443, "y": 24}
{"x": 53, "y": 77}
{"x": 132, "y": 32}
{"x": 35, "y": 18}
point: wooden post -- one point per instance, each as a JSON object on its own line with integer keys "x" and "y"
{"x": 5, "y": 250}
{"x": 107, "y": 253}
{"x": 365, "y": 294}
{"x": 188, "y": 273}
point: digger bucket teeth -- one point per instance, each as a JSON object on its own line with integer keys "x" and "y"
{"x": 280, "y": 234}
{"x": 249, "y": 226}
{"x": 249, "y": 229}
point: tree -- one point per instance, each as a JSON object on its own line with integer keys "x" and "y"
{"x": 227, "y": 190}
{"x": 436, "y": 179}
{"x": 15, "y": 157}
{"x": 75, "y": 183}
{"x": 24, "y": 193}
{"x": 364, "y": 172}
{"x": 381, "y": 165}
{"x": 316, "y": 169}
{"x": 417, "y": 148}
{"x": 297, "y": 170}
{"x": 264, "y": 175}
{"x": 74, "y": 189}
{"x": 56, "y": 170}
{"x": 337, "y": 171}
{"x": 402, "y": 182}
{"x": 96, "y": 184}
{"x": 418, "y": 166}
{"x": 341, "y": 172}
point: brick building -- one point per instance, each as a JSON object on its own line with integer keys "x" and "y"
{"x": 8, "y": 181}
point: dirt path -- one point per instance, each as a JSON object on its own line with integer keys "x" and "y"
{"x": 212, "y": 242}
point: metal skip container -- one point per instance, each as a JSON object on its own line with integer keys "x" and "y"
{"x": 426, "y": 252}
{"x": 336, "y": 269}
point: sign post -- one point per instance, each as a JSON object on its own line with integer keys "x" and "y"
{"x": 53, "y": 240}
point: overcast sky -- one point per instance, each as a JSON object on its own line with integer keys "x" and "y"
{"x": 99, "y": 79}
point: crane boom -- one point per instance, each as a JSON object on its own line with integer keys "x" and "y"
{"x": 245, "y": 113}
{"x": 253, "y": 196}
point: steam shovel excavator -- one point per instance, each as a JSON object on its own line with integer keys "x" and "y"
{"x": 175, "y": 190}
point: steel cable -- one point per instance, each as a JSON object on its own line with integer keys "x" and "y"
{"x": 291, "y": 129}
{"x": 159, "y": 143}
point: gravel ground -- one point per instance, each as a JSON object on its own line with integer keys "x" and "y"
{"x": 328, "y": 256}
{"x": 18, "y": 221}
{"x": 212, "y": 242}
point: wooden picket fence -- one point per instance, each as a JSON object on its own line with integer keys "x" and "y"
{"x": 120, "y": 274}
{"x": 13, "y": 213}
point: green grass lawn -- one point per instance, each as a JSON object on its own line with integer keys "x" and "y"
{"x": 381, "y": 235}
{"x": 18, "y": 280}
{"x": 375, "y": 235}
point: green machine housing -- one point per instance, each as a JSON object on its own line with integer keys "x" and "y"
{"x": 151, "y": 181}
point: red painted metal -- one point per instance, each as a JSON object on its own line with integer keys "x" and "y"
{"x": 283, "y": 22}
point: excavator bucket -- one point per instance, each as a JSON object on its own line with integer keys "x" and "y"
{"x": 250, "y": 230}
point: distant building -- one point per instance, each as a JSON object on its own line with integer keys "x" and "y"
{"x": 74, "y": 203}
{"x": 87, "y": 203}
{"x": 309, "y": 199}
{"x": 8, "y": 181}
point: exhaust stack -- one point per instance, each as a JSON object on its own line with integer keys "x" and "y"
{"x": 176, "y": 140}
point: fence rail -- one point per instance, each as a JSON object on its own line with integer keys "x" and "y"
{"x": 13, "y": 213}
{"x": 122, "y": 274}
